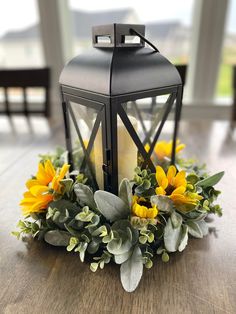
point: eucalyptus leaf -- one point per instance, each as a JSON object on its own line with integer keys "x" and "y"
{"x": 57, "y": 237}
{"x": 125, "y": 191}
{"x": 163, "y": 203}
{"x": 211, "y": 181}
{"x": 172, "y": 236}
{"x": 121, "y": 258}
{"x": 131, "y": 270}
{"x": 61, "y": 205}
{"x": 111, "y": 206}
{"x": 183, "y": 238}
{"x": 84, "y": 195}
{"x": 194, "y": 229}
{"x": 93, "y": 247}
{"x": 117, "y": 247}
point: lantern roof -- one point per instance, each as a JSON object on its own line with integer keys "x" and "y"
{"x": 116, "y": 66}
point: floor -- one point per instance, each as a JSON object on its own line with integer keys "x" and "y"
{"x": 37, "y": 278}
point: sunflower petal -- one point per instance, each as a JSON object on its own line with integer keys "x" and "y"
{"x": 49, "y": 168}
{"x": 63, "y": 171}
{"x": 180, "y": 147}
{"x": 38, "y": 190}
{"x": 161, "y": 177}
{"x": 180, "y": 179}
{"x": 179, "y": 190}
{"x": 160, "y": 191}
{"x": 171, "y": 174}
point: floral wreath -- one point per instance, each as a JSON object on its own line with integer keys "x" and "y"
{"x": 154, "y": 213}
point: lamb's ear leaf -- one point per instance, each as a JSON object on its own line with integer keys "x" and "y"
{"x": 84, "y": 195}
{"x": 184, "y": 238}
{"x": 194, "y": 229}
{"x": 57, "y": 237}
{"x": 163, "y": 203}
{"x": 125, "y": 191}
{"x": 131, "y": 270}
{"x": 111, "y": 206}
{"x": 211, "y": 181}
{"x": 203, "y": 226}
{"x": 172, "y": 236}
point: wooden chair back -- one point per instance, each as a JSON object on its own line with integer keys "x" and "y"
{"x": 25, "y": 78}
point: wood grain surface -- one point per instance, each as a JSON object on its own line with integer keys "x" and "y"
{"x": 38, "y": 278}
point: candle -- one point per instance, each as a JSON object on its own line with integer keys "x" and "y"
{"x": 126, "y": 150}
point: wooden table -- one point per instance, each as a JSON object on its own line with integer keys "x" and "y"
{"x": 37, "y": 278}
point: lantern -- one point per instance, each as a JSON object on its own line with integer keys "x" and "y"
{"x": 116, "y": 99}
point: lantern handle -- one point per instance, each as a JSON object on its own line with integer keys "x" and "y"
{"x": 144, "y": 39}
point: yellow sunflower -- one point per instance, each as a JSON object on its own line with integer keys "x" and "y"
{"x": 41, "y": 188}
{"x": 143, "y": 208}
{"x": 174, "y": 185}
{"x": 163, "y": 149}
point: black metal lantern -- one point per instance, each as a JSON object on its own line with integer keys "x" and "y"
{"x": 108, "y": 122}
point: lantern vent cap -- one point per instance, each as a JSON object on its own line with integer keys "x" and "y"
{"x": 115, "y": 67}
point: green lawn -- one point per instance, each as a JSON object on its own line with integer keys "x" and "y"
{"x": 224, "y": 86}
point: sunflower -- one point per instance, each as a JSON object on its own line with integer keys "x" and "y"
{"x": 143, "y": 208}
{"x": 174, "y": 185}
{"x": 163, "y": 149}
{"x": 41, "y": 188}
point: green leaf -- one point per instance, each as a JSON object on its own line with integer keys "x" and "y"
{"x": 121, "y": 258}
{"x": 111, "y": 206}
{"x": 84, "y": 195}
{"x": 183, "y": 238}
{"x": 131, "y": 270}
{"x": 125, "y": 192}
{"x": 73, "y": 242}
{"x": 211, "y": 181}
{"x": 16, "y": 234}
{"x": 116, "y": 246}
{"x": 194, "y": 229}
{"x": 61, "y": 205}
{"x": 101, "y": 231}
{"x": 165, "y": 257}
{"x": 143, "y": 239}
{"x": 192, "y": 178}
{"x": 93, "y": 267}
{"x": 171, "y": 236}
{"x": 203, "y": 226}
{"x": 176, "y": 219}
{"x": 149, "y": 264}
{"x": 93, "y": 247}
{"x": 163, "y": 203}
{"x": 57, "y": 237}
{"x": 67, "y": 184}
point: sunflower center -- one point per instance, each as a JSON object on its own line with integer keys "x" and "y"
{"x": 144, "y": 203}
{"x": 170, "y": 188}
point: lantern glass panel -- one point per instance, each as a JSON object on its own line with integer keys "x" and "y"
{"x": 146, "y": 116}
{"x": 86, "y": 142}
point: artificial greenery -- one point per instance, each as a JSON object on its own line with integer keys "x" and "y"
{"x": 153, "y": 215}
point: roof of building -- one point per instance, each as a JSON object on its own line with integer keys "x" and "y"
{"x": 82, "y": 22}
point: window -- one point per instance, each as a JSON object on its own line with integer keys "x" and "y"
{"x": 168, "y": 23}
{"x": 20, "y": 42}
{"x": 224, "y": 86}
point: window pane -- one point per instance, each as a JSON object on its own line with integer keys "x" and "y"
{"x": 168, "y": 23}
{"x": 20, "y": 41}
{"x": 224, "y": 87}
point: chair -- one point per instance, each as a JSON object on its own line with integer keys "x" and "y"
{"x": 25, "y": 78}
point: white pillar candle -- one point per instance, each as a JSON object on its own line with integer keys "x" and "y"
{"x": 126, "y": 150}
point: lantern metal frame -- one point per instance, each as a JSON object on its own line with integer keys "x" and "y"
{"x": 108, "y": 108}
